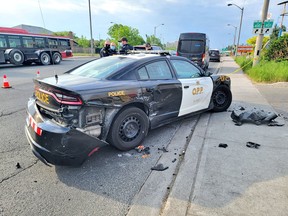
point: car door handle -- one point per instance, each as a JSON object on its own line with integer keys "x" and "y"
{"x": 186, "y": 87}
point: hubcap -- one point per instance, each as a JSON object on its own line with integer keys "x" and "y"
{"x": 17, "y": 57}
{"x": 220, "y": 98}
{"x": 129, "y": 128}
{"x": 45, "y": 59}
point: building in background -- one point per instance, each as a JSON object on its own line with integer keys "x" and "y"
{"x": 34, "y": 29}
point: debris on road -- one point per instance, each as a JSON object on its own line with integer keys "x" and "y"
{"x": 255, "y": 116}
{"x": 18, "y": 166}
{"x": 159, "y": 167}
{"x": 163, "y": 149}
{"x": 140, "y": 148}
{"x": 182, "y": 154}
{"x": 253, "y": 145}
{"x": 145, "y": 156}
{"x": 223, "y": 145}
{"x": 174, "y": 160}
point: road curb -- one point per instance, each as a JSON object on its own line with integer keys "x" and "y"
{"x": 182, "y": 190}
{"x": 153, "y": 193}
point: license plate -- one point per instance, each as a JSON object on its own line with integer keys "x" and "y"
{"x": 41, "y": 96}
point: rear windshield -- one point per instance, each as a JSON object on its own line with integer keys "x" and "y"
{"x": 103, "y": 67}
{"x": 191, "y": 46}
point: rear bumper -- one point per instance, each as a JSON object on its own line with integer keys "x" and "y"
{"x": 54, "y": 144}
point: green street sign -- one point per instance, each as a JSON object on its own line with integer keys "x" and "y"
{"x": 268, "y": 23}
{"x": 257, "y": 24}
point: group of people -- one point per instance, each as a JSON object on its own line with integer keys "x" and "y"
{"x": 110, "y": 47}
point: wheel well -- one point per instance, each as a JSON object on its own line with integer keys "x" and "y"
{"x": 139, "y": 105}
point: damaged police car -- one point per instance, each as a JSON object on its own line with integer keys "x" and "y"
{"x": 116, "y": 100}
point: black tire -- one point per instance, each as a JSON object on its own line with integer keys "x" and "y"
{"x": 56, "y": 58}
{"x": 45, "y": 58}
{"x": 128, "y": 129}
{"x": 16, "y": 57}
{"x": 221, "y": 98}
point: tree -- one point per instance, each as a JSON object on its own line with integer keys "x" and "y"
{"x": 65, "y": 34}
{"x": 117, "y": 31}
{"x": 83, "y": 42}
{"x": 252, "y": 40}
{"x": 153, "y": 40}
{"x": 278, "y": 49}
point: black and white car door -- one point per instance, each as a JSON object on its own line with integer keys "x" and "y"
{"x": 161, "y": 91}
{"x": 196, "y": 89}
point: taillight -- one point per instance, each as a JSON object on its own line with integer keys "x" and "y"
{"x": 203, "y": 57}
{"x": 177, "y": 54}
{"x": 67, "y": 99}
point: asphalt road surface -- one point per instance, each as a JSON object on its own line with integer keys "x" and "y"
{"x": 104, "y": 185}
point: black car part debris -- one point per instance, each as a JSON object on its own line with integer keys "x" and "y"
{"x": 253, "y": 145}
{"x": 255, "y": 116}
{"x": 18, "y": 166}
{"x": 159, "y": 167}
{"x": 223, "y": 145}
{"x": 163, "y": 149}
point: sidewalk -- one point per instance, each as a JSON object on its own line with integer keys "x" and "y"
{"x": 236, "y": 180}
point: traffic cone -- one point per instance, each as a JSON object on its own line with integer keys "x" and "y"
{"x": 38, "y": 74}
{"x": 5, "y": 82}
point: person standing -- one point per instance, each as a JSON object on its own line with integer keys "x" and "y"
{"x": 105, "y": 50}
{"x": 125, "y": 46}
{"x": 112, "y": 50}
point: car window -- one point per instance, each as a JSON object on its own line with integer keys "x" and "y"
{"x": 191, "y": 46}
{"x": 156, "y": 70}
{"x": 143, "y": 73}
{"x": 104, "y": 67}
{"x": 185, "y": 69}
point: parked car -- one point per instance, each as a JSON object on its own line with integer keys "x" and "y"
{"x": 214, "y": 55}
{"x": 116, "y": 100}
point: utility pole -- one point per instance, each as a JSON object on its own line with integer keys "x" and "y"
{"x": 91, "y": 35}
{"x": 259, "y": 40}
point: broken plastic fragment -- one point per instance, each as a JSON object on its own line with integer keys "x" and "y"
{"x": 145, "y": 156}
{"x": 255, "y": 116}
{"x": 159, "y": 167}
{"x": 252, "y": 145}
{"x": 223, "y": 145}
{"x": 18, "y": 166}
{"x": 163, "y": 149}
{"x": 140, "y": 148}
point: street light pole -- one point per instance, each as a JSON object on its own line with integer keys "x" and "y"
{"x": 91, "y": 35}
{"x": 240, "y": 26}
{"x": 234, "y": 45}
{"x": 156, "y": 28}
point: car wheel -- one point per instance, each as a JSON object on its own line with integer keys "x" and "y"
{"x": 56, "y": 58}
{"x": 221, "y": 98}
{"x": 128, "y": 129}
{"x": 44, "y": 58}
{"x": 16, "y": 57}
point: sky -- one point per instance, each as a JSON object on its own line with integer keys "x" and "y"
{"x": 178, "y": 16}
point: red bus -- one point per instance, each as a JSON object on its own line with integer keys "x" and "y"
{"x": 18, "y": 46}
